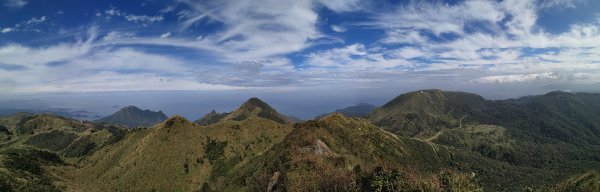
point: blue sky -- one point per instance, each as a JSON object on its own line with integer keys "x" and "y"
{"x": 301, "y": 46}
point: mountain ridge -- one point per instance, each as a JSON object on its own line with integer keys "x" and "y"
{"x": 470, "y": 144}
{"x": 256, "y": 107}
{"x": 357, "y": 110}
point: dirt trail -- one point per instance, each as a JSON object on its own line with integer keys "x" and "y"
{"x": 434, "y": 136}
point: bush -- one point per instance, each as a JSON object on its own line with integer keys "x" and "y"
{"x": 29, "y": 160}
{"x": 214, "y": 150}
{"x": 82, "y": 146}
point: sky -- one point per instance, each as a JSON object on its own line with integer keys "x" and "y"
{"x": 304, "y": 56}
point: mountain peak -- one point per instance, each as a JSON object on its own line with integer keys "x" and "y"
{"x": 256, "y": 107}
{"x": 131, "y": 107}
{"x": 176, "y": 120}
{"x": 425, "y": 111}
{"x": 254, "y": 103}
{"x": 558, "y": 93}
{"x": 333, "y": 116}
{"x": 133, "y": 116}
{"x": 431, "y": 96}
{"x": 211, "y": 118}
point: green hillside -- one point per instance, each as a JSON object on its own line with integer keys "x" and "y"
{"x": 556, "y": 133}
{"x": 41, "y": 145}
{"x": 180, "y": 155}
{"x": 426, "y": 111}
{"x": 340, "y": 153}
{"x": 427, "y": 140}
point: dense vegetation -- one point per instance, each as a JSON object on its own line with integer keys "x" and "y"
{"x": 556, "y": 133}
{"x": 22, "y": 170}
{"x": 426, "y": 141}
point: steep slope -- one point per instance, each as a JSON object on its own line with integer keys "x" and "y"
{"x": 40, "y": 144}
{"x": 554, "y": 135}
{"x": 562, "y": 116}
{"x": 132, "y": 117}
{"x": 211, "y": 118}
{"x": 426, "y": 111}
{"x": 256, "y": 107}
{"x": 358, "y": 110}
{"x": 329, "y": 154}
{"x": 68, "y": 137}
{"x": 178, "y": 155}
{"x": 589, "y": 181}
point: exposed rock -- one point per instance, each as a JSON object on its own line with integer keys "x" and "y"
{"x": 273, "y": 182}
{"x": 321, "y": 148}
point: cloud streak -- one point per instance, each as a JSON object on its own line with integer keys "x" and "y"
{"x": 293, "y": 44}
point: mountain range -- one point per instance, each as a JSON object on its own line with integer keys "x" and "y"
{"x": 427, "y": 140}
{"x": 358, "y": 110}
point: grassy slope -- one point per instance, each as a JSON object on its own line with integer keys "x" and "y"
{"x": 425, "y": 112}
{"x": 548, "y": 137}
{"x": 589, "y": 181}
{"x": 353, "y": 142}
{"x": 156, "y": 158}
{"x": 48, "y": 135}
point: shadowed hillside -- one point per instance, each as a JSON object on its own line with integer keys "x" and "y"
{"x": 211, "y": 118}
{"x": 132, "y": 117}
{"x": 358, "y": 110}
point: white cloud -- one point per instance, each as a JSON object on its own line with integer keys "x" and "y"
{"x": 113, "y": 12}
{"x": 113, "y": 81}
{"x": 351, "y": 58}
{"x": 495, "y": 41}
{"x": 254, "y": 30}
{"x": 144, "y": 18}
{"x": 437, "y": 17}
{"x": 17, "y": 4}
{"x": 26, "y": 25}
{"x": 341, "y": 5}
{"x": 559, "y": 3}
{"x": 88, "y": 66}
{"x": 165, "y": 35}
{"x": 7, "y": 30}
{"x": 338, "y": 28}
{"x": 511, "y": 28}
{"x": 70, "y": 68}
{"x": 516, "y": 78}
{"x": 34, "y": 21}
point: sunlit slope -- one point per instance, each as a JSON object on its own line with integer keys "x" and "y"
{"x": 39, "y": 146}
{"x": 315, "y": 153}
{"x": 426, "y": 111}
{"x": 179, "y": 155}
